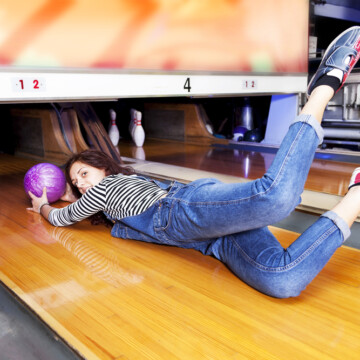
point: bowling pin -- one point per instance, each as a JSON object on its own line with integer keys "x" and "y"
{"x": 138, "y": 133}
{"x": 114, "y": 133}
{"x": 132, "y": 120}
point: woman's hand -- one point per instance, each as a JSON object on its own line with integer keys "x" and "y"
{"x": 37, "y": 202}
{"x": 69, "y": 195}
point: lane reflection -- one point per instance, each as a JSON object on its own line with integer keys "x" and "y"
{"x": 104, "y": 265}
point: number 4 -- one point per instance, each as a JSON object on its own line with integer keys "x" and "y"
{"x": 187, "y": 85}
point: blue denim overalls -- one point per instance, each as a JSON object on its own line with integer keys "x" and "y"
{"x": 229, "y": 221}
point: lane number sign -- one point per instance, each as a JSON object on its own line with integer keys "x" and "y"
{"x": 28, "y": 84}
{"x": 187, "y": 85}
{"x": 249, "y": 84}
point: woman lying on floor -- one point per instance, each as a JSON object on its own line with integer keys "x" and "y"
{"x": 228, "y": 221}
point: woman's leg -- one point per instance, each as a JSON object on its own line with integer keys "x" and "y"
{"x": 258, "y": 259}
{"x": 349, "y": 207}
{"x": 213, "y": 209}
{"x": 317, "y": 102}
{"x": 210, "y": 208}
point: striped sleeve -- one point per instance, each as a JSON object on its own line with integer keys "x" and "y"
{"x": 130, "y": 195}
{"x": 90, "y": 203}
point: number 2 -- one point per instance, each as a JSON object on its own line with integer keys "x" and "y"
{"x": 36, "y": 84}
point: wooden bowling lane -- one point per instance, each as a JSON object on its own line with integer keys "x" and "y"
{"x": 326, "y": 176}
{"x": 117, "y": 299}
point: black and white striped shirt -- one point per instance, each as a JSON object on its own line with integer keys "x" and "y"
{"x": 117, "y": 195}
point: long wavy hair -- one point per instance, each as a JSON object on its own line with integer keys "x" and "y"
{"x": 101, "y": 161}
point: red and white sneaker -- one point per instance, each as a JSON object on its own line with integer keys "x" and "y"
{"x": 343, "y": 53}
{"x": 355, "y": 178}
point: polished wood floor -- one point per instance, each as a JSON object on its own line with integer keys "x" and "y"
{"x": 118, "y": 299}
{"x": 325, "y": 176}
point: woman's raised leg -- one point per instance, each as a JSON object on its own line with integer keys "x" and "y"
{"x": 215, "y": 209}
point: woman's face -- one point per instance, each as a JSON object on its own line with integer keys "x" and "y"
{"x": 84, "y": 176}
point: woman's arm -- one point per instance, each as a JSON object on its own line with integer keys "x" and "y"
{"x": 69, "y": 196}
{"x": 40, "y": 204}
{"x": 90, "y": 203}
{"x": 45, "y": 210}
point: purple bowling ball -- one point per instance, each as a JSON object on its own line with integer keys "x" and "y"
{"x": 45, "y": 175}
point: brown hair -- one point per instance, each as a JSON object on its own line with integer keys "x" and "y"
{"x": 99, "y": 160}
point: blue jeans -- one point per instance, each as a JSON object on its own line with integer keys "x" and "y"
{"x": 229, "y": 221}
